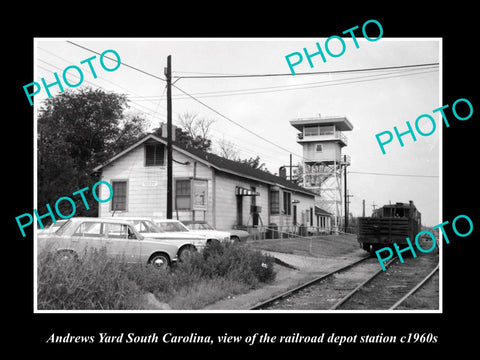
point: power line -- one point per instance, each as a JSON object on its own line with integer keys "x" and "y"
{"x": 234, "y": 122}
{"x": 305, "y": 73}
{"x": 124, "y": 64}
{"x": 134, "y": 104}
{"x": 306, "y": 86}
{"x": 203, "y": 73}
{"x": 273, "y": 75}
{"x": 241, "y": 150}
{"x": 284, "y": 149}
{"x": 385, "y": 174}
{"x": 316, "y": 84}
{"x": 245, "y": 150}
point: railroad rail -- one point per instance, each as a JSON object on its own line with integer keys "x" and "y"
{"x": 268, "y": 302}
{"x": 354, "y": 291}
{"x": 387, "y": 297}
{"x": 391, "y": 293}
{"x": 415, "y": 289}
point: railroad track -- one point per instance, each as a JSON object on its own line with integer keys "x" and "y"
{"x": 415, "y": 289}
{"x": 383, "y": 293}
{"x": 272, "y": 302}
{"x": 360, "y": 285}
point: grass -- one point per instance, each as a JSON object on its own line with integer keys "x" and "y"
{"x": 96, "y": 281}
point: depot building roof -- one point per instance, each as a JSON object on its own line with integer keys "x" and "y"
{"x": 217, "y": 162}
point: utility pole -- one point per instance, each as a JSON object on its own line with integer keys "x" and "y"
{"x": 290, "y": 167}
{"x": 345, "y": 191}
{"x": 168, "y": 75}
{"x": 347, "y": 211}
{"x": 282, "y": 168}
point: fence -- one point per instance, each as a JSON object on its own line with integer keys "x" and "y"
{"x": 302, "y": 240}
{"x": 272, "y": 231}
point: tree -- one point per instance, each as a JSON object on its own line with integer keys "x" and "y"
{"x": 255, "y": 163}
{"x": 197, "y": 131}
{"x": 192, "y": 132}
{"x": 77, "y": 131}
{"x": 226, "y": 149}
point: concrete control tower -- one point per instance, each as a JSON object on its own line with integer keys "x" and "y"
{"x": 322, "y": 139}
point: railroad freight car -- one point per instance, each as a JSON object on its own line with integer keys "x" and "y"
{"x": 389, "y": 224}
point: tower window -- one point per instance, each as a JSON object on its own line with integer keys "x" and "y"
{"x": 318, "y": 148}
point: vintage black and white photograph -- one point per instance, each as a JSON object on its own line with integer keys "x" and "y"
{"x": 247, "y": 175}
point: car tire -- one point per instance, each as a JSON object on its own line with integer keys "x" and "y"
{"x": 185, "y": 252}
{"x": 235, "y": 239}
{"x": 159, "y": 261}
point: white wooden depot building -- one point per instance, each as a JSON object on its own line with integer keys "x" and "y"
{"x": 225, "y": 193}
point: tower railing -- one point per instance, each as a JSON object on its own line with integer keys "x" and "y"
{"x": 325, "y": 135}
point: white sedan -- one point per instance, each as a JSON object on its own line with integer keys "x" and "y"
{"x": 204, "y": 228}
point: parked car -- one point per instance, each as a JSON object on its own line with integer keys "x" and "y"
{"x": 204, "y": 228}
{"x": 186, "y": 241}
{"x": 171, "y": 225}
{"x": 117, "y": 236}
{"x": 239, "y": 235}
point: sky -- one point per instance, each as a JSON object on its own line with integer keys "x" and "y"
{"x": 373, "y": 101}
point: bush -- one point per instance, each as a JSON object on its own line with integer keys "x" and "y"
{"x": 232, "y": 261}
{"x": 97, "y": 281}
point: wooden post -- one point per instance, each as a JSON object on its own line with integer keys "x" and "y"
{"x": 168, "y": 74}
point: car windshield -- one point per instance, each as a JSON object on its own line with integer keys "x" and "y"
{"x": 64, "y": 227}
{"x": 146, "y": 226}
{"x": 171, "y": 226}
{"x": 57, "y": 224}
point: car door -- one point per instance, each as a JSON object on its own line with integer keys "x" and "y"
{"x": 122, "y": 241}
{"x": 88, "y": 235}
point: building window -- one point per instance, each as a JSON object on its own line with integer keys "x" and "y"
{"x": 318, "y": 147}
{"x": 311, "y": 216}
{"x": 315, "y": 130}
{"x": 327, "y": 130}
{"x": 274, "y": 202}
{"x": 119, "y": 199}
{"x": 154, "y": 154}
{"x": 287, "y": 203}
{"x": 311, "y": 130}
{"x": 182, "y": 194}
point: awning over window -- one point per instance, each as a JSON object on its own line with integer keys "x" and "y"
{"x": 321, "y": 212}
{"x": 240, "y": 191}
